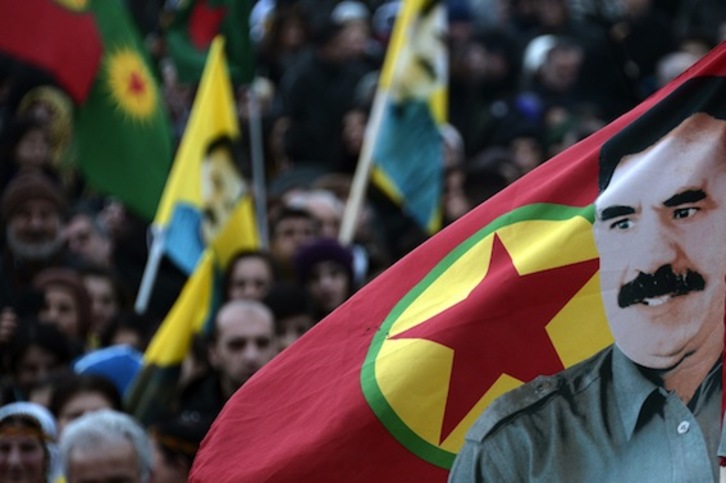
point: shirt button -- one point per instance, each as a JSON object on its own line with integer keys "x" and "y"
{"x": 683, "y": 427}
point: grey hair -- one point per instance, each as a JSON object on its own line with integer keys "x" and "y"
{"x": 302, "y": 200}
{"x": 107, "y": 426}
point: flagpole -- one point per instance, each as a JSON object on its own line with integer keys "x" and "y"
{"x": 258, "y": 167}
{"x": 156, "y": 252}
{"x": 363, "y": 170}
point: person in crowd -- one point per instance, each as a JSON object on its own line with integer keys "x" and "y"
{"x": 28, "y": 450}
{"x": 325, "y": 268}
{"x": 129, "y": 328}
{"x": 36, "y": 351}
{"x": 32, "y": 210}
{"x": 316, "y": 93}
{"x": 285, "y": 40}
{"x": 249, "y": 275}
{"x": 66, "y": 303}
{"x": 24, "y": 148}
{"x": 289, "y": 229}
{"x": 175, "y": 441}
{"x": 77, "y": 394}
{"x": 88, "y": 239}
{"x": 354, "y": 18}
{"x": 52, "y": 107}
{"x": 293, "y": 309}
{"x": 108, "y": 299}
{"x": 106, "y": 445}
{"x": 242, "y": 342}
{"x": 325, "y": 206}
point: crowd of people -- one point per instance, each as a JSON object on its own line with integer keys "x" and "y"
{"x": 527, "y": 79}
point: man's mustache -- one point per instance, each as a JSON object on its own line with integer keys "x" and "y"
{"x": 664, "y": 281}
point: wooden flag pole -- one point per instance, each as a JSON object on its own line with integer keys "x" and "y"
{"x": 362, "y": 171}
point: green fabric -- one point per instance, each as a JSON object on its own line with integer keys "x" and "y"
{"x": 189, "y": 59}
{"x": 151, "y": 395}
{"x": 124, "y": 143}
{"x": 601, "y": 420}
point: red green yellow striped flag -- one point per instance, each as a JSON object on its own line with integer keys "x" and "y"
{"x": 386, "y": 387}
{"x": 65, "y": 43}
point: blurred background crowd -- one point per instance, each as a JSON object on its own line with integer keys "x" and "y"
{"x": 527, "y": 79}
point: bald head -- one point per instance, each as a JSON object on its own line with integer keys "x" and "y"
{"x": 244, "y": 341}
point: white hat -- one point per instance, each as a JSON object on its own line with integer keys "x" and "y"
{"x": 46, "y": 421}
{"x": 349, "y": 10}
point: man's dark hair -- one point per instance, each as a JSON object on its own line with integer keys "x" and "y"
{"x": 289, "y": 213}
{"x": 700, "y": 94}
{"x": 246, "y": 254}
{"x": 74, "y": 384}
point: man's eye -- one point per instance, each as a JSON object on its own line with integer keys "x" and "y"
{"x": 680, "y": 213}
{"x": 621, "y": 224}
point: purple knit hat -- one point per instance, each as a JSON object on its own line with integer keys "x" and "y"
{"x": 321, "y": 250}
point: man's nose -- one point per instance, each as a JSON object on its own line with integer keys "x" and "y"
{"x": 251, "y": 352}
{"x": 657, "y": 246}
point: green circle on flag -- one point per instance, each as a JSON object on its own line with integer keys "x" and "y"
{"x": 404, "y": 380}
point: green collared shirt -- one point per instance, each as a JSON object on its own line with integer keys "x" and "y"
{"x": 601, "y": 420}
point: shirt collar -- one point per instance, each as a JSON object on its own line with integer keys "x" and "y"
{"x": 632, "y": 389}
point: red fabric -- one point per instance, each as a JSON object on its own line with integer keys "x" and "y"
{"x": 304, "y": 417}
{"x": 204, "y": 22}
{"x": 67, "y": 44}
{"x": 722, "y": 459}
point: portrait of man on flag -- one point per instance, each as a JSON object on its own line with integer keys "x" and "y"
{"x": 222, "y": 187}
{"x": 648, "y": 407}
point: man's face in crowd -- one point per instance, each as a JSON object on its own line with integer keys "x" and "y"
{"x": 107, "y": 463}
{"x": 245, "y": 342}
{"x": 34, "y": 230}
{"x": 660, "y": 228}
{"x": 84, "y": 240}
{"x": 289, "y": 234}
{"x": 250, "y": 279}
{"x": 328, "y": 217}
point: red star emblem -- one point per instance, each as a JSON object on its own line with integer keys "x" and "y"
{"x": 204, "y": 23}
{"x": 500, "y": 329}
{"x": 137, "y": 86}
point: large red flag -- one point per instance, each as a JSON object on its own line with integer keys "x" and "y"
{"x": 54, "y": 37}
{"x": 385, "y": 388}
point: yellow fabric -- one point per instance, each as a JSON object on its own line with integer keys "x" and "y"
{"x": 212, "y": 116}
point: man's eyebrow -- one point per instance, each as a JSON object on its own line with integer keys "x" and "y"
{"x": 688, "y": 196}
{"x": 615, "y": 211}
